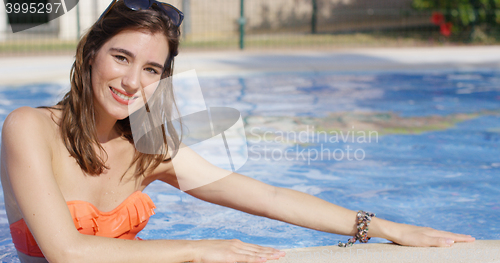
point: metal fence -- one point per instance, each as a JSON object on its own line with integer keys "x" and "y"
{"x": 250, "y": 24}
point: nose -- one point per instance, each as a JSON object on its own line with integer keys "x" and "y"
{"x": 132, "y": 80}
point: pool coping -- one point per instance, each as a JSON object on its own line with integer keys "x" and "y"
{"x": 478, "y": 251}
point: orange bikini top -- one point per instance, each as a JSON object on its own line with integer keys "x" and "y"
{"x": 124, "y": 222}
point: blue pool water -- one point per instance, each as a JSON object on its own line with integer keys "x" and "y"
{"x": 446, "y": 177}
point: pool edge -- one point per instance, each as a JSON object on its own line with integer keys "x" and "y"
{"x": 478, "y": 251}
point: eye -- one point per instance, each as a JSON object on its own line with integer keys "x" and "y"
{"x": 120, "y": 58}
{"x": 152, "y": 70}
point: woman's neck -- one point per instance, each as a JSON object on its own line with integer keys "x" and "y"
{"x": 105, "y": 128}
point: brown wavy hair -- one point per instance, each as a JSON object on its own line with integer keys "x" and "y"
{"x": 78, "y": 126}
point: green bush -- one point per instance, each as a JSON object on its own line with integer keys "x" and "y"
{"x": 470, "y": 20}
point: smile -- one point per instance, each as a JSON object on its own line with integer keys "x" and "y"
{"x": 121, "y": 97}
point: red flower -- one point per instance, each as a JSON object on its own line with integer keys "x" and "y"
{"x": 437, "y": 18}
{"x": 446, "y": 29}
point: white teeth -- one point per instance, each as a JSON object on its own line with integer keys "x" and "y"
{"x": 124, "y": 97}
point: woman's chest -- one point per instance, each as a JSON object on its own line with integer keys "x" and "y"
{"x": 106, "y": 190}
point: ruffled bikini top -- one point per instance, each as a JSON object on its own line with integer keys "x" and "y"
{"x": 124, "y": 222}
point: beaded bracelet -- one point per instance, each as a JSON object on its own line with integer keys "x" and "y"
{"x": 364, "y": 219}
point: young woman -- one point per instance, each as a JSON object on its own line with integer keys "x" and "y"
{"x": 73, "y": 178}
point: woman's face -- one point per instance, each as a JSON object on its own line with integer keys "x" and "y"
{"x": 128, "y": 62}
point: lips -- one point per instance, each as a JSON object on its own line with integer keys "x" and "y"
{"x": 122, "y": 97}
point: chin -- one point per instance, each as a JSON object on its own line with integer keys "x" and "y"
{"x": 123, "y": 118}
{"x": 121, "y": 115}
{"x": 118, "y": 113}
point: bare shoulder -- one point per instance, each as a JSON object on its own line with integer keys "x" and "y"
{"x": 26, "y": 122}
{"x": 26, "y": 139}
{"x": 188, "y": 168}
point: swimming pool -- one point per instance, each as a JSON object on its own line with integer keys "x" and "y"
{"x": 425, "y": 152}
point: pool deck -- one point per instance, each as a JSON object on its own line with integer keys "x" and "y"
{"x": 24, "y": 70}
{"x": 39, "y": 69}
{"x": 478, "y": 251}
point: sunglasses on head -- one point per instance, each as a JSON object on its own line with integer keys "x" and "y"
{"x": 174, "y": 14}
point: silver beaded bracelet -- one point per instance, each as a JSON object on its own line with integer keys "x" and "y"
{"x": 364, "y": 219}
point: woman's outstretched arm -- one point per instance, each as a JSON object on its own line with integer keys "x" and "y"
{"x": 27, "y": 167}
{"x": 252, "y": 196}
{"x": 306, "y": 210}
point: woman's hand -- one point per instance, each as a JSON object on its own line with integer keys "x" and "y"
{"x": 427, "y": 237}
{"x": 229, "y": 251}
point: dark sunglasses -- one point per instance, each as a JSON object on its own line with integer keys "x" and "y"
{"x": 174, "y": 14}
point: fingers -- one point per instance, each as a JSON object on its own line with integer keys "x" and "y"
{"x": 249, "y": 258}
{"x": 452, "y": 236}
{"x": 256, "y": 248}
{"x": 438, "y": 241}
{"x": 429, "y": 237}
{"x": 256, "y": 253}
{"x": 268, "y": 254}
{"x": 229, "y": 251}
{"x": 459, "y": 237}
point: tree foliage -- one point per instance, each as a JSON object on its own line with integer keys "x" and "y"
{"x": 467, "y": 17}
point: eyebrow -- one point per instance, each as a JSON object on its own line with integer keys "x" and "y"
{"x": 130, "y": 54}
